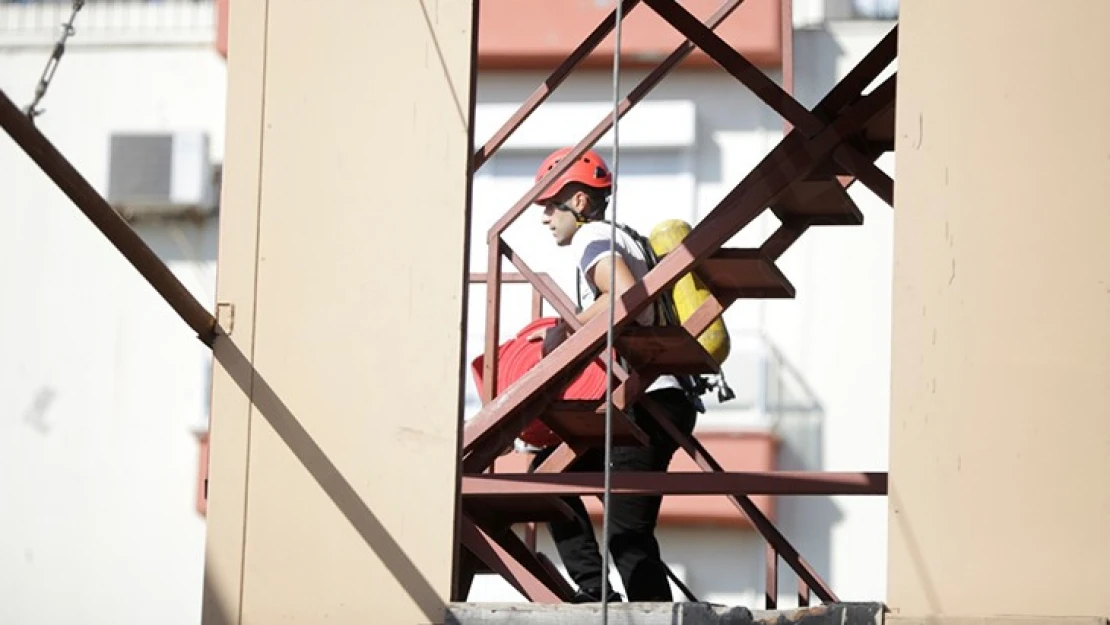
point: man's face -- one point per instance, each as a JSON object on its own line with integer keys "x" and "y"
{"x": 561, "y": 222}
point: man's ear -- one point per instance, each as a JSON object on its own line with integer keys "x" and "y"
{"x": 581, "y": 202}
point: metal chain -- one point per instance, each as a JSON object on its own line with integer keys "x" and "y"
{"x": 68, "y": 31}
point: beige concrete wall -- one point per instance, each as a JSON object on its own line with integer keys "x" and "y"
{"x": 347, "y": 122}
{"x": 1000, "y": 436}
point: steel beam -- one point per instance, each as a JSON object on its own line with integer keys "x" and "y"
{"x": 526, "y": 579}
{"x": 107, "y": 221}
{"x": 677, "y": 483}
{"x": 760, "y": 84}
{"x": 557, "y": 77}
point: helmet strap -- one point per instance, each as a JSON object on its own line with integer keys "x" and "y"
{"x": 579, "y": 219}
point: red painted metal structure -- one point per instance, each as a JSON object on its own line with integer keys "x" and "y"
{"x": 538, "y": 34}
{"x": 803, "y": 180}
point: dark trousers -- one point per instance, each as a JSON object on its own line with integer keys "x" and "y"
{"x": 632, "y": 518}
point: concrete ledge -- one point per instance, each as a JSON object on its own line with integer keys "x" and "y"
{"x": 996, "y": 620}
{"x": 660, "y": 614}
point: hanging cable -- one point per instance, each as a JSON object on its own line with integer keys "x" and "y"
{"x": 607, "y": 494}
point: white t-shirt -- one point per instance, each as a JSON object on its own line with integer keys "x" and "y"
{"x": 589, "y": 245}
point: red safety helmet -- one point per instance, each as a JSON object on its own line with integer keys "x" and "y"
{"x": 589, "y": 170}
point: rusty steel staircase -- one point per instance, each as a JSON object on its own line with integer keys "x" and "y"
{"x": 803, "y": 181}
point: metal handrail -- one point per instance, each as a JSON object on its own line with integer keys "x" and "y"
{"x": 493, "y": 238}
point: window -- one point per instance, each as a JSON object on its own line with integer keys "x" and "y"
{"x": 875, "y": 9}
{"x": 809, "y": 13}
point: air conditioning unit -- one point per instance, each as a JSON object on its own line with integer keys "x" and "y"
{"x": 161, "y": 175}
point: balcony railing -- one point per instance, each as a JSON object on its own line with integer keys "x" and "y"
{"x": 811, "y": 13}
{"x": 33, "y": 22}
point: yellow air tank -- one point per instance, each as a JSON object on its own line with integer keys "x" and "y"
{"x": 689, "y": 292}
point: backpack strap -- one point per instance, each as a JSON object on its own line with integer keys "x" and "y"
{"x": 666, "y": 313}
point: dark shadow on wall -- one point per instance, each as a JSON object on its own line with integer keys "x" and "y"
{"x": 270, "y": 406}
{"x": 215, "y": 608}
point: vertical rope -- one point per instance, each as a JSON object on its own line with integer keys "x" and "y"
{"x": 607, "y": 495}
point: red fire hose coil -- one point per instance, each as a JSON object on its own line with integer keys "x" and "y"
{"x": 517, "y": 356}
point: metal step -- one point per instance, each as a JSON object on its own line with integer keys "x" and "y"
{"x": 823, "y": 200}
{"x": 744, "y": 274}
{"x": 664, "y": 350}
{"x": 581, "y": 423}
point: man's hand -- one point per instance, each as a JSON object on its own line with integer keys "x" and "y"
{"x": 541, "y": 334}
{"x": 552, "y": 337}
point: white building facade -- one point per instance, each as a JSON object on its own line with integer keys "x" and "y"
{"x": 105, "y": 390}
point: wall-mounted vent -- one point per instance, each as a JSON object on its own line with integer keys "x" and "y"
{"x": 161, "y": 175}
